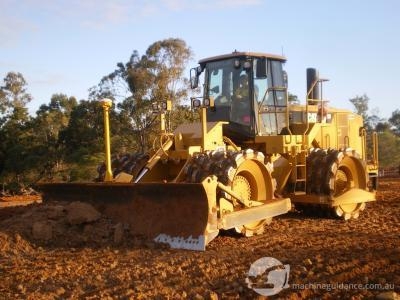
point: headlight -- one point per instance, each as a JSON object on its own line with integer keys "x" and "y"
{"x": 209, "y": 102}
{"x": 155, "y": 108}
{"x": 196, "y": 103}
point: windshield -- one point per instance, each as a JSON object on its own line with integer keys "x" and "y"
{"x": 229, "y": 86}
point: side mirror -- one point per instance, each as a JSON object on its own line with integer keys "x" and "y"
{"x": 194, "y": 78}
{"x": 247, "y": 65}
{"x": 195, "y": 103}
{"x": 215, "y": 89}
{"x": 261, "y": 68}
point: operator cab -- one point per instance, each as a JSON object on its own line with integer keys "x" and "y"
{"x": 249, "y": 92}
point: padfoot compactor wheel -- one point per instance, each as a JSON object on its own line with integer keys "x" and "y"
{"x": 242, "y": 186}
{"x": 131, "y": 164}
{"x": 242, "y": 171}
{"x": 336, "y": 173}
{"x": 350, "y": 173}
{"x": 349, "y": 211}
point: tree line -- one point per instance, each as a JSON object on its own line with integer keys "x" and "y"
{"x": 388, "y": 131}
{"x": 63, "y": 141}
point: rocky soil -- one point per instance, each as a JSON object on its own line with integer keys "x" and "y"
{"x": 69, "y": 250}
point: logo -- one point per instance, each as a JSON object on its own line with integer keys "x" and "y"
{"x": 268, "y": 276}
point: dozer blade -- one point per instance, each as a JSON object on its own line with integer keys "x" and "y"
{"x": 180, "y": 214}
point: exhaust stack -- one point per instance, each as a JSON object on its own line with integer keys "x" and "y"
{"x": 312, "y": 84}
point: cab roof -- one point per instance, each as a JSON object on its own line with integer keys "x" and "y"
{"x": 242, "y": 54}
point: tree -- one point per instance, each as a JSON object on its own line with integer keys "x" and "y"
{"x": 361, "y": 107}
{"x": 382, "y": 126}
{"x": 136, "y": 84}
{"x": 166, "y": 61}
{"x": 389, "y": 145}
{"x": 15, "y": 134}
{"x": 50, "y": 120}
{"x": 82, "y": 141}
{"x": 293, "y": 99}
{"x": 13, "y": 93}
{"x": 394, "y": 120}
{"x": 84, "y": 132}
{"x": 54, "y": 117}
{"x": 3, "y": 102}
{"x": 371, "y": 119}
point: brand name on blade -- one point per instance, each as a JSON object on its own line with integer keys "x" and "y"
{"x": 179, "y": 242}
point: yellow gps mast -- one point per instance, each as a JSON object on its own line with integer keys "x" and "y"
{"x": 106, "y": 104}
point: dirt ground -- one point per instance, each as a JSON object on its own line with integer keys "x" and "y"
{"x": 53, "y": 252}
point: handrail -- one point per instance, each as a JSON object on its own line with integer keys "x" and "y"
{"x": 346, "y": 141}
{"x": 375, "y": 147}
{"x": 363, "y": 143}
{"x": 327, "y": 140}
{"x": 318, "y": 80}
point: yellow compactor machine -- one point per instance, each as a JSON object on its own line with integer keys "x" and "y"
{"x": 253, "y": 154}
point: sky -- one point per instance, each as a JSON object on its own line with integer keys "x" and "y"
{"x": 68, "y": 46}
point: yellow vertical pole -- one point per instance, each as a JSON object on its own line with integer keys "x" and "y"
{"x": 203, "y": 128}
{"x": 106, "y": 104}
{"x": 364, "y": 144}
{"x": 375, "y": 148}
{"x": 162, "y": 122}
